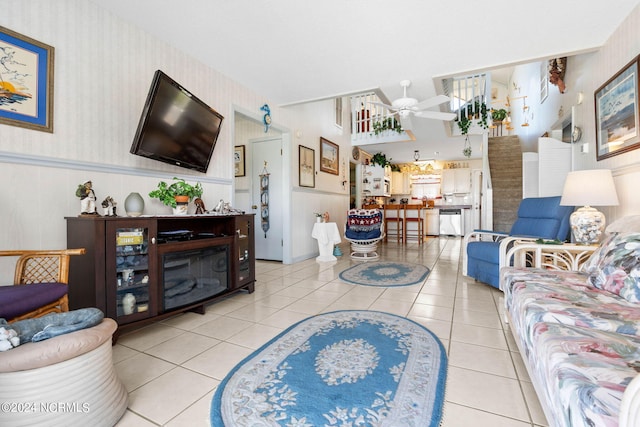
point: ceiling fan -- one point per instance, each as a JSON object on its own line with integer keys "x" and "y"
{"x": 405, "y": 106}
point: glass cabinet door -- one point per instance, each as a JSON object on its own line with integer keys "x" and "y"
{"x": 131, "y": 281}
{"x": 244, "y": 230}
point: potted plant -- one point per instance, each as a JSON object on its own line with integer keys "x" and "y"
{"x": 179, "y": 191}
{"x": 380, "y": 159}
{"x": 480, "y": 113}
{"x": 498, "y": 115}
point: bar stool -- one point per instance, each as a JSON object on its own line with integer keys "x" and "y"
{"x": 393, "y": 214}
{"x": 413, "y": 215}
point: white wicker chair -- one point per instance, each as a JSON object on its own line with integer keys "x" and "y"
{"x": 364, "y": 229}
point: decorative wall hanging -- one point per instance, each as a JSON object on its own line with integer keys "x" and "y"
{"x": 266, "y": 119}
{"x": 264, "y": 200}
{"x": 557, "y": 69}
{"x": 26, "y": 82}
{"x": 329, "y": 155}
{"x": 616, "y": 105}
{"x": 307, "y": 162}
{"x": 238, "y": 160}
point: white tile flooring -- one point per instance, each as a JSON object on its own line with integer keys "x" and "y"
{"x": 171, "y": 368}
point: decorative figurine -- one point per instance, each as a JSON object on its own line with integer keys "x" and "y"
{"x": 87, "y": 199}
{"x": 109, "y": 206}
{"x": 266, "y": 119}
{"x": 200, "y": 209}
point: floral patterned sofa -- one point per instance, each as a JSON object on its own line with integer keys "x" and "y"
{"x": 579, "y": 332}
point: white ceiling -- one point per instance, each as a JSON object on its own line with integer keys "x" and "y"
{"x": 294, "y": 51}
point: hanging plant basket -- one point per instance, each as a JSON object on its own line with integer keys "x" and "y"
{"x": 467, "y": 147}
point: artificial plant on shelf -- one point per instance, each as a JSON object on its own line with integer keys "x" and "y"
{"x": 167, "y": 193}
{"x": 388, "y": 123}
{"x": 380, "y": 159}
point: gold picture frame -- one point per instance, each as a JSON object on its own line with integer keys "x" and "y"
{"x": 329, "y": 157}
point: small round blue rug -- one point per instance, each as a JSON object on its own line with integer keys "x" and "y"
{"x": 345, "y": 368}
{"x": 384, "y": 273}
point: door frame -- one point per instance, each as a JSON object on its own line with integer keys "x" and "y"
{"x": 287, "y": 185}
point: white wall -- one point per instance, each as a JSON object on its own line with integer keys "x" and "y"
{"x": 103, "y": 70}
{"x": 622, "y": 47}
{"x": 585, "y": 73}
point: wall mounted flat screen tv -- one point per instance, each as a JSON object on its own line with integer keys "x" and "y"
{"x": 176, "y": 127}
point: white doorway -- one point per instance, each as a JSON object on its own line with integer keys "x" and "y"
{"x": 269, "y": 220}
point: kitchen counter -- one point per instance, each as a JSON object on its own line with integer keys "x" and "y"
{"x": 452, "y": 206}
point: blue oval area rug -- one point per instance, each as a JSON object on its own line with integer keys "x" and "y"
{"x": 385, "y": 273}
{"x": 345, "y": 368}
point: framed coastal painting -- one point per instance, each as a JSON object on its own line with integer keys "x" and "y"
{"x": 26, "y": 82}
{"x": 307, "y": 159}
{"x": 329, "y": 155}
{"x": 238, "y": 160}
{"x": 617, "y": 119}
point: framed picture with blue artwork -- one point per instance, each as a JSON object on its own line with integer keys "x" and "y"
{"x": 617, "y": 116}
{"x": 26, "y": 82}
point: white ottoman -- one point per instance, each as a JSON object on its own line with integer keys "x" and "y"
{"x": 68, "y": 380}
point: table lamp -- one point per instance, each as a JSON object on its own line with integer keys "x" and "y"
{"x": 593, "y": 187}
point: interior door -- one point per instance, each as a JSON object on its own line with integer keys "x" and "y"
{"x": 267, "y": 198}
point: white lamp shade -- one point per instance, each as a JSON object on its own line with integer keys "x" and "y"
{"x": 592, "y": 187}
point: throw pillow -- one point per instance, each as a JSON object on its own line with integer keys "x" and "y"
{"x": 615, "y": 266}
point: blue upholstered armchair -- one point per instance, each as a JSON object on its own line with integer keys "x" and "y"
{"x": 538, "y": 217}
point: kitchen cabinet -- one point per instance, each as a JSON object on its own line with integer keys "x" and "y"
{"x": 400, "y": 183}
{"x": 456, "y": 181}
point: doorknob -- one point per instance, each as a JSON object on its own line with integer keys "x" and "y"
{"x": 254, "y": 207}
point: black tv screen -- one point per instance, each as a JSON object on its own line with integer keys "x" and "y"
{"x": 176, "y": 127}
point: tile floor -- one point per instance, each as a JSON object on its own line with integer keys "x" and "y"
{"x": 171, "y": 368}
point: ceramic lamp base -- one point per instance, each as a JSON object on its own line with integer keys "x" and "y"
{"x": 587, "y": 225}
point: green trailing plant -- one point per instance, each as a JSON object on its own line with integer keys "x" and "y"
{"x": 167, "y": 193}
{"x": 388, "y": 123}
{"x": 498, "y": 115}
{"x": 380, "y": 159}
{"x": 464, "y": 123}
{"x": 478, "y": 111}
{"x": 484, "y": 116}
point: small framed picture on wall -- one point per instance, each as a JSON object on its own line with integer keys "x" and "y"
{"x": 238, "y": 160}
{"x": 307, "y": 162}
{"x": 329, "y": 156}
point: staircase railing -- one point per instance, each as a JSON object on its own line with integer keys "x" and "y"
{"x": 372, "y": 123}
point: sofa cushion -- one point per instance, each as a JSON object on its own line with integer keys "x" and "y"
{"x": 584, "y": 372}
{"x": 615, "y": 265}
{"x": 535, "y": 301}
{"x": 17, "y": 300}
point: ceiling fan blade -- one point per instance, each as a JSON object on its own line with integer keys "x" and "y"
{"x": 438, "y": 115}
{"x": 431, "y": 102}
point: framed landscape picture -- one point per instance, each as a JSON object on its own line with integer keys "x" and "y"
{"x": 616, "y": 105}
{"x": 329, "y": 155}
{"x": 26, "y": 82}
{"x": 307, "y": 161}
